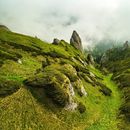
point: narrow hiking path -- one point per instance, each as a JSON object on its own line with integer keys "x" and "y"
{"x": 110, "y": 108}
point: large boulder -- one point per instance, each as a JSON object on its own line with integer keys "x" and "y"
{"x": 55, "y": 84}
{"x": 76, "y": 41}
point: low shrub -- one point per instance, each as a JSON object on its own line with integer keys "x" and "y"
{"x": 81, "y": 107}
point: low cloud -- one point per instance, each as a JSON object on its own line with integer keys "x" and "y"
{"x": 94, "y": 20}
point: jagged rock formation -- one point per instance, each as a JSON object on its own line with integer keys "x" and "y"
{"x": 76, "y": 41}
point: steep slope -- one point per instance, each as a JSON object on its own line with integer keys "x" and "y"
{"x": 117, "y": 60}
{"x": 52, "y": 86}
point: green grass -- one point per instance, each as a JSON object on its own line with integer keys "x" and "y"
{"x": 109, "y": 109}
{"x": 30, "y": 108}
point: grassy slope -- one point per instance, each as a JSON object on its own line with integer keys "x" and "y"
{"x": 119, "y": 64}
{"x": 28, "y": 109}
{"x": 109, "y": 109}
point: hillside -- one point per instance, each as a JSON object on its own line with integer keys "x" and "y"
{"x": 117, "y": 60}
{"x": 54, "y": 86}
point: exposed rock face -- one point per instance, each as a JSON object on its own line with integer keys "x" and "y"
{"x": 76, "y": 41}
{"x": 126, "y": 45}
{"x": 56, "y": 41}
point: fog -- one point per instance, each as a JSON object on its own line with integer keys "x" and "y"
{"x": 94, "y": 20}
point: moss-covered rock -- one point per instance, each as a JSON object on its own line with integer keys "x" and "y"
{"x": 8, "y": 87}
{"x": 81, "y": 107}
{"x": 55, "y": 84}
{"x": 69, "y": 71}
{"x": 85, "y": 77}
{"x": 105, "y": 90}
{"x": 78, "y": 85}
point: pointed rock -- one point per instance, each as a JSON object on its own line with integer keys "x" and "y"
{"x": 76, "y": 41}
{"x": 126, "y": 45}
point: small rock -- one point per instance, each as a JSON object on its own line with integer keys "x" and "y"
{"x": 83, "y": 91}
{"x": 91, "y": 74}
{"x": 90, "y": 59}
{"x": 19, "y": 61}
{"x": 71, "y": 89}
{"x": 125, "y": 46}
{"x": 56, "y": 41}
{"x": 71, "y": 106}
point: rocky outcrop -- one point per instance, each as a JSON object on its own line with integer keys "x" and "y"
{"x": 56, "y": 41}
{"x": 76, "y": 41}
{"x": 60, "y": 83}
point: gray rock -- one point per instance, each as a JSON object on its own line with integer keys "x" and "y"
{"x": 19, "y": 61}
{"x": 71, "y": 106}
{"x": 83, "y": 91}
{"x": 56, "y": 41}
{"x": 92, "y": 75}
{"x": 126, "y": 45}
{"x": 71, "y": 89}
{"x": 104, "y": 59}
{"x": 80, "y": 88}
{"x": 90, "y": 59}
{"x": 76, "y": 41}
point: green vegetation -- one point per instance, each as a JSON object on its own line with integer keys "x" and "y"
{"x": 117, "y": 61}
{"x": 109, "y": 109}
{"x": 47, "y": 87}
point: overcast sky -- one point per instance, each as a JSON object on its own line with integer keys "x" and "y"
{"x": 48, "y": 19}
